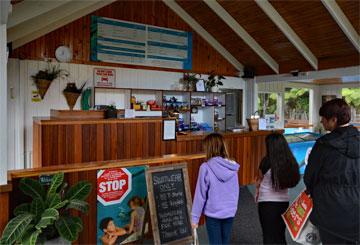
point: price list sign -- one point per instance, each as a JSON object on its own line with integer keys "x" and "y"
{"x": 170, "y": 204}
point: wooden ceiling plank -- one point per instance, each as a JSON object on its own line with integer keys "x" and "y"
{"x": 61, "y": 13}
{"x": 63, "y": 17}
{"x": 203, "y": 33}
{"x": 242, "y": 33}
{"x": 271, "y": 12}
{"x": 26, "y": 10}
{"x": 344, "y": 23}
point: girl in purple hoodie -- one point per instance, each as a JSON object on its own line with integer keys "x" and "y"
{"x": 217, "y": 191}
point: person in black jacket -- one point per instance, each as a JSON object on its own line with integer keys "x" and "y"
{"x": 332, "y": 176}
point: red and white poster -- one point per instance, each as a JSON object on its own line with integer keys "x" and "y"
{"x": 297, "y": 214}
{"x": 121, "y": 205}
{"x": 104, "y": 77}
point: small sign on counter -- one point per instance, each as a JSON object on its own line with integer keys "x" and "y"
{"x": 169, "y": 129}
{"x": 170, "y": 204}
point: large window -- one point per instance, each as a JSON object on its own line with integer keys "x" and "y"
{"x": 267, "y": 103}
{"x": 352, "y": 97}
{"x": 296, "y": 107}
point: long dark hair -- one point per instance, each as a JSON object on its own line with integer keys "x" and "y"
{"x": 284, "y": 168}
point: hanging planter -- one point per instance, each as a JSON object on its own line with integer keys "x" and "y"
{"x": 72, "y": 93}
{"x": 44, "y": 78}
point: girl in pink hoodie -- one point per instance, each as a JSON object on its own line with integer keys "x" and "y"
{"x": 217, "y": 191}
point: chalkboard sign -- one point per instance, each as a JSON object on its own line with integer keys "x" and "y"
{"x": 170, "y": 204}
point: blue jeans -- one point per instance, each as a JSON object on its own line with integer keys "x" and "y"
{"x": 219, "y": 230}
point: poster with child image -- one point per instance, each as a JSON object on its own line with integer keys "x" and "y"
{"x": 121, "y": 205}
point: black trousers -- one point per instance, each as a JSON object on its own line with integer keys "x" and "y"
{"x": 272, "y": 224}
{"x": 329, "y": 238}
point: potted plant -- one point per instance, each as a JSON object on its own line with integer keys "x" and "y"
{"x": 48, "y": 215}
{"x": 72, "y": 93}
{"x": 44, "y": 78}
{"x": 213, "y": 82}
{"x": 189, "y": 80}
{"x": 111, "y": 111}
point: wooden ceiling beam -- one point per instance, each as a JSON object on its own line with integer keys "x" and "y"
{"x": 50, "y": 21}
{"x": 203, "y": 33}
{"x": 279, "y": 21}
{"x": 26, "y": 10}
{"x": 242, "y": 33}
{"x": 344, "y": 23}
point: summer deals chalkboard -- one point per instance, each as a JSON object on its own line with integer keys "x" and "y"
{"x": 170, "y": 204}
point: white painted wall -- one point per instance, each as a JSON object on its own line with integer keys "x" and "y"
{"x": 20, "y": 72}
{"x": 3, "y": 107}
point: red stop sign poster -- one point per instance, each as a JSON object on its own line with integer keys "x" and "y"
{"x": 113, "y": 185}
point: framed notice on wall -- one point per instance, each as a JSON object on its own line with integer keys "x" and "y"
{"x": 170, "y": 204}
{"x": 104, "y": 77}
{"x": 127, "y": 42}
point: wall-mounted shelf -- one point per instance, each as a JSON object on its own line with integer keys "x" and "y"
{"x": 208, "y": 105}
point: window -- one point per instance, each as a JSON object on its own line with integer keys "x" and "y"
{"x": 267, "y": 103}
{"x": 296, "y": 107}
{"x": 352, "y": 97}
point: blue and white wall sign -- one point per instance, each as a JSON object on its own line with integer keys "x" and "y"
{"x": 132, "y": 43}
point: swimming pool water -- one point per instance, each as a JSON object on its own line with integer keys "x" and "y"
{"x": 300, "y": 144}
{"x": 299, "y": 150}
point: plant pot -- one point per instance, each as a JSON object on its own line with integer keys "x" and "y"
{"x": 71, "y": 98}
{"x": 42, "y": 86}
{"x": 110, "y": 114}
{"x": 253, "y": 124}
{"x": 215, "y": 89}
{"x": 57, "y": 241}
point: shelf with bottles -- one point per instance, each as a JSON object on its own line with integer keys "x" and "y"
{"x": 146, "y": 100}
{"x": 176, "y": 101}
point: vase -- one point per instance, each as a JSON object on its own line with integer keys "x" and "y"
{"x": 110, "y": 113}
{"x": 253, "y": 124}
{"x": 71, "y": 98}
{"x": 215, "y": 89}
{"x": 42, "y": 86}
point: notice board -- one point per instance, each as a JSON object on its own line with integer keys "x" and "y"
{"x": 134, "y": 43}
{"x": 170, "y": 204}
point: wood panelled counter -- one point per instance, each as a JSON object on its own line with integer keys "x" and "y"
{"x": 58, "y": 142}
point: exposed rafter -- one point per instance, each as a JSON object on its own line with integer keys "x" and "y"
{"x": 242, "y": 33}
{"x": 203, "y": 33}
{"x": 26, "y": 10}
{"x": 271, "y": 12}
{"x": 47, "y": 22}
{"x": 343, "y": 22}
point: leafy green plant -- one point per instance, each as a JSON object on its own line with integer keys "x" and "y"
{"x": 214, "y": 81}
{"x": 48, "y": 214}
{"x": 50, "y": 73}
{"x": 189, "y": 80}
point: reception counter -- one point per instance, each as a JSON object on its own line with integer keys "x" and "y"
{"x": 59, "y": 142}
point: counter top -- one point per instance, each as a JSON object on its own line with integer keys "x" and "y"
{"x": 52, "y": 121}
{"x": 246, "y": 133}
